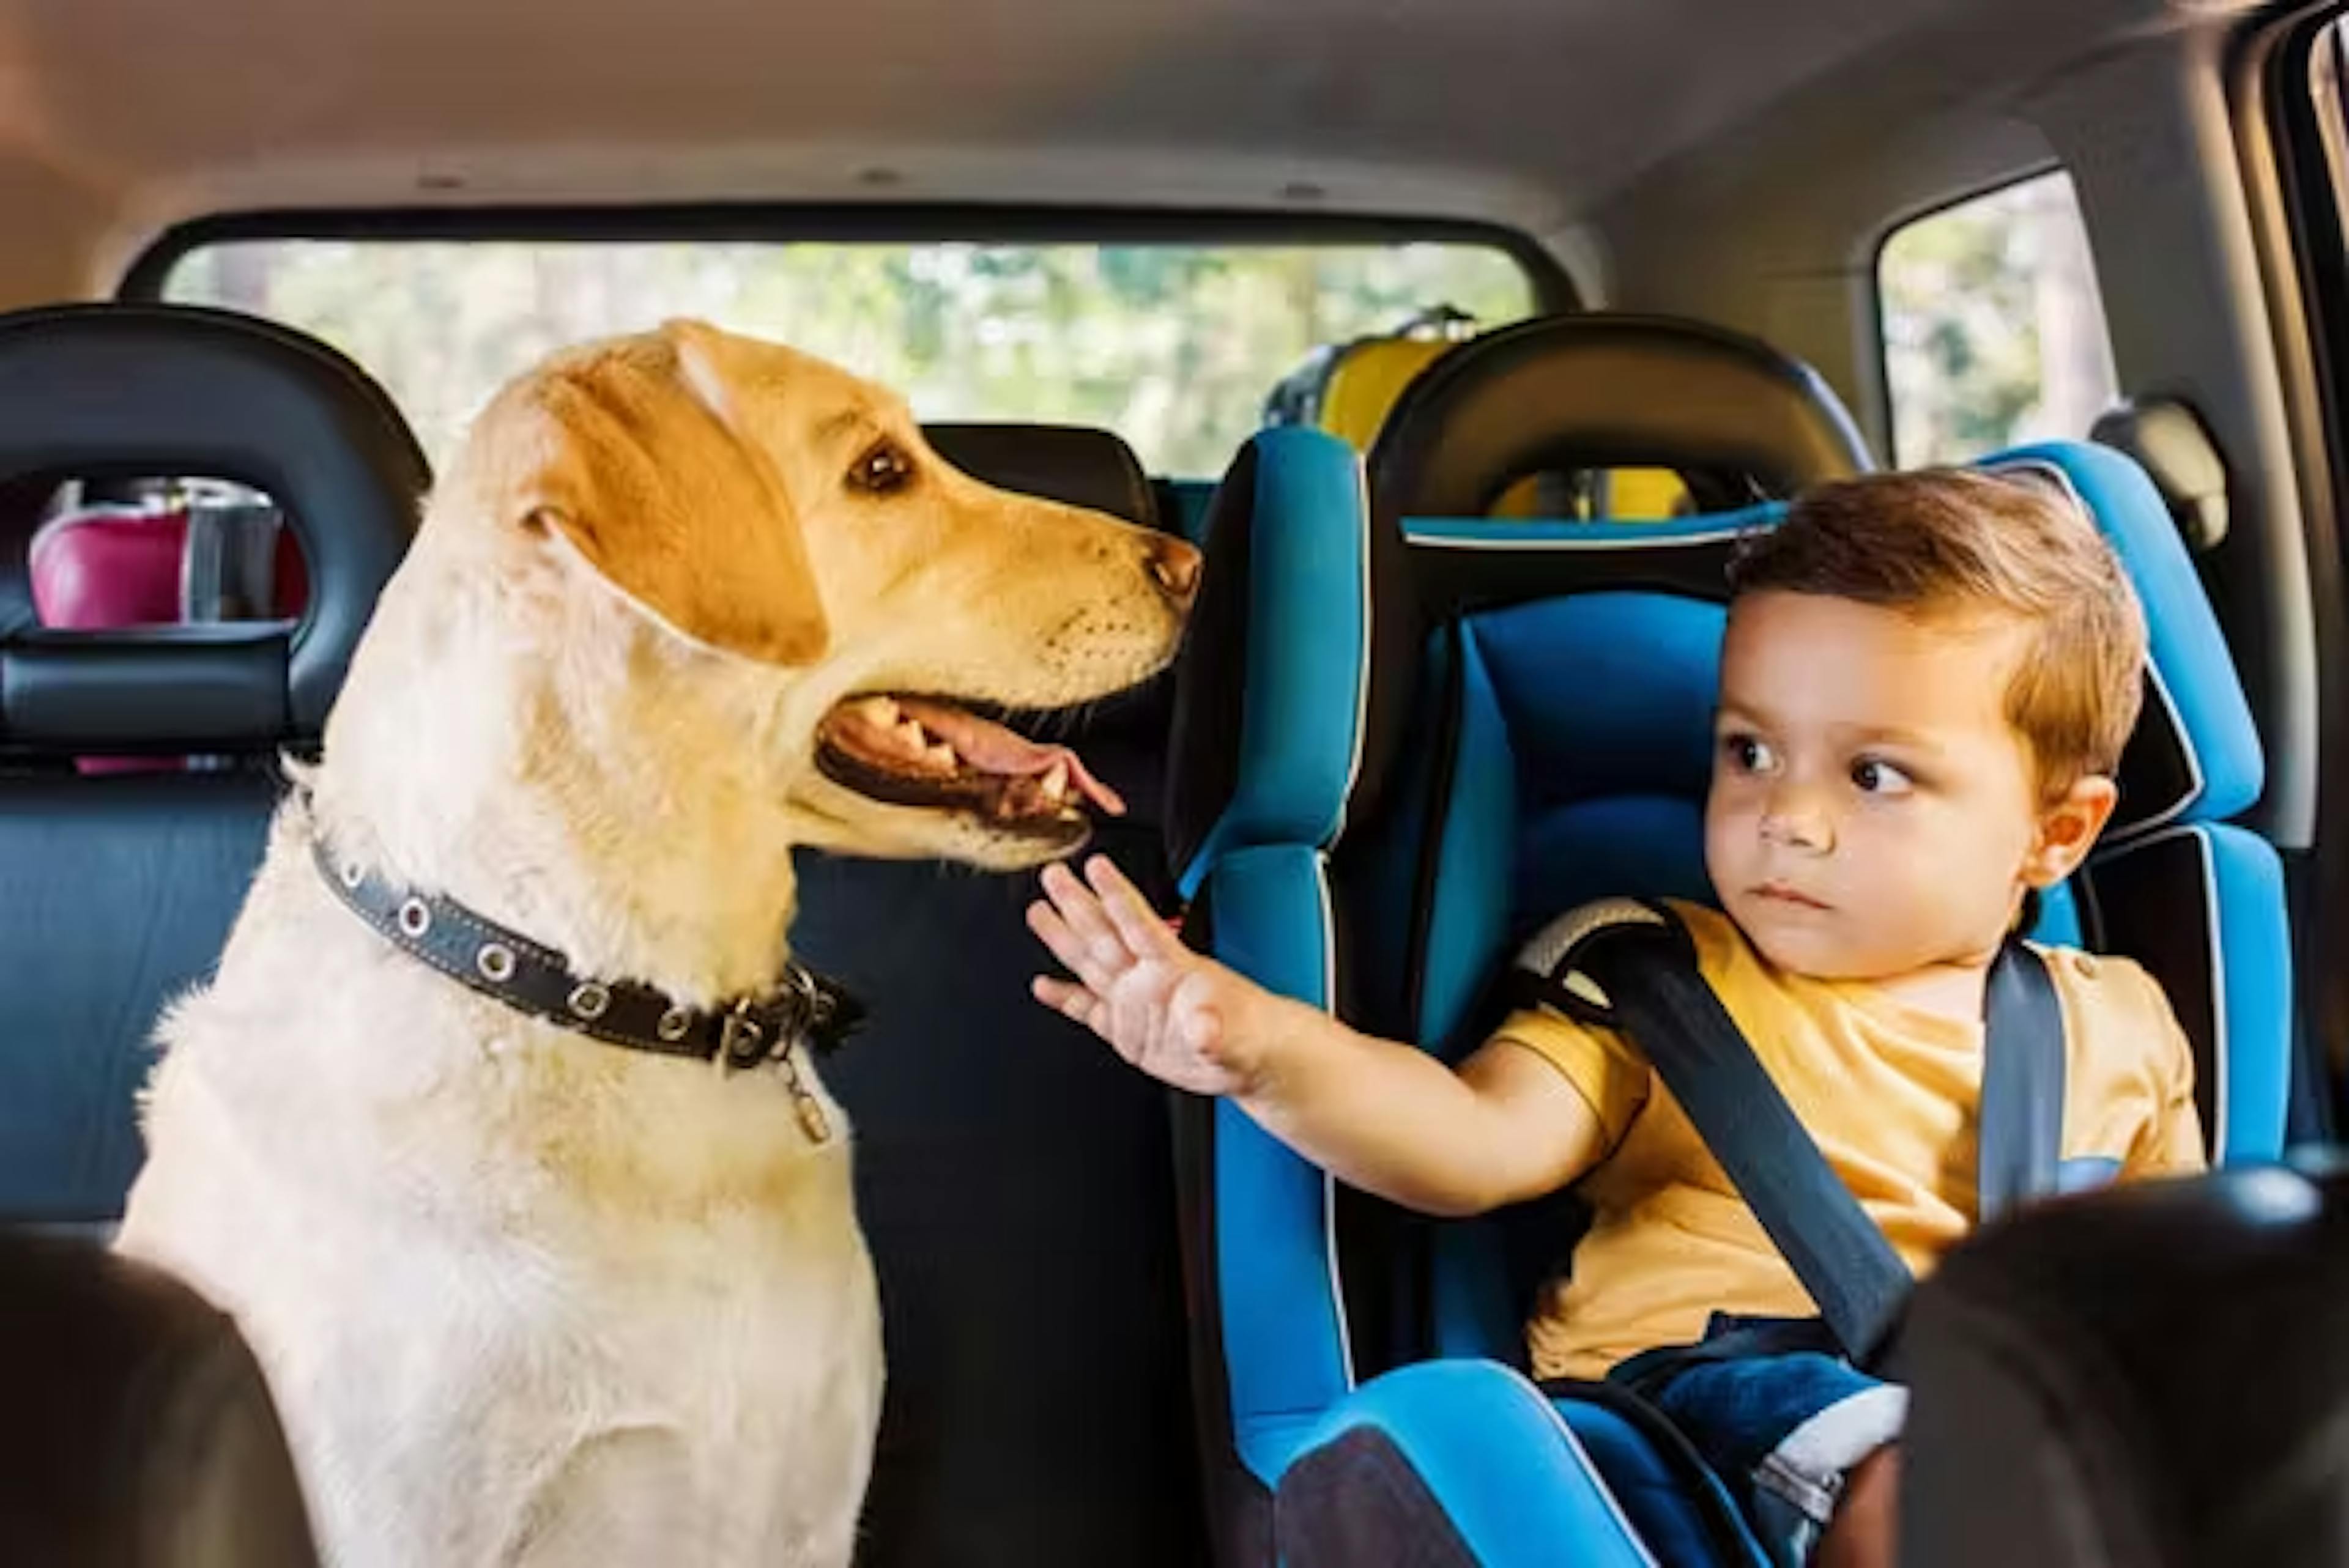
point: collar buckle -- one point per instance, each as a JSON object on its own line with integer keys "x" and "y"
{"x": 742, "y": 1038}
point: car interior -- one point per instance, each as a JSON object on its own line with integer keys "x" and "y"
{"x": 1467, "y": 342}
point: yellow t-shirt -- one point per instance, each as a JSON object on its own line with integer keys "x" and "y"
{"x": 1886, "y": 1090}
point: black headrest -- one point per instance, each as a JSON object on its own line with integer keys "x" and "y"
{"x": 141, "y": 1432}
{"x": 111, "y": 390}
{"x": 1063, "y": 462}
{"x": 1737, "y": 419}
{"x": 2152, "y": 1375}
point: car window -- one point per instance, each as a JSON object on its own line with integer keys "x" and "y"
{"x": 1993, "y": 331}
{"x": 1174, "y": 346}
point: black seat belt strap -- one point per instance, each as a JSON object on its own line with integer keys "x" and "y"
{"x": 2021, "y": 1136}
{"x": 1662, "y": 1001}
{"x": 1631, "y": 966}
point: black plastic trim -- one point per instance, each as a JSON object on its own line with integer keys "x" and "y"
{"x": 842, "y": 223}
{"x": 2297, "y": 201}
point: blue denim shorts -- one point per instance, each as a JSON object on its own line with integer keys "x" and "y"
{"x": 1778, "y": 1413}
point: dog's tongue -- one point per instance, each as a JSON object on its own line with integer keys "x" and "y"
{"x": 992, "y": 749}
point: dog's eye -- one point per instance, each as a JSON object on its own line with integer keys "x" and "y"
{"x": 884, "y": 468}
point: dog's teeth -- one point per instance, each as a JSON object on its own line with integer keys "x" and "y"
{"x": 879, "y": 711}
{"x": 913, "y": 737}
{"x": 1056, "y": 782}
{"x": 941, "y": 755}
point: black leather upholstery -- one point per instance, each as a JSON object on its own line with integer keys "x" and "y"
{"x": 1739, "y": 420}
{"x": 1013, "y": 1177}
{"x": 1066, "y": 463}
{"x": 118, "y": 893}
{"x": 99, "y": 391}
{"x": 116, "y": 890}
{"x": 217, "y": 687}
{"x": 140, "y": 1432}
{"x": 2154, "y": 1375}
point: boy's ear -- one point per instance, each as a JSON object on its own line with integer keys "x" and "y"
{"x": 2068, "y": 827}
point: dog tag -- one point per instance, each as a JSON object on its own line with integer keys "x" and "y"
{"x": 804, "y": 1104}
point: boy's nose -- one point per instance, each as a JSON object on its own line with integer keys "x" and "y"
{"x": 1792, "y": 823}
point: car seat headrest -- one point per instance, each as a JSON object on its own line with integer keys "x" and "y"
{"x": 2195, "y": 755}
{"x": 116, "y": 391}
{"x": 2160, "y": 1361}
{"x": 1070, "y": 463}
{"x": 1739, "y": 420}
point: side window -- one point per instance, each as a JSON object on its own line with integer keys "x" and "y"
{"x": 1994, "y": 333}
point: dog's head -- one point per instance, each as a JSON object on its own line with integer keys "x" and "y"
{"x": 753, "y": 558}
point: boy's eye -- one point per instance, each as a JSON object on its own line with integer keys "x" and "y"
{"x": 1877, "y": 777}
{"x": 1748, "y": 753}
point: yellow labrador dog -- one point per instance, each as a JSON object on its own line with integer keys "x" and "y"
{"x": 495, "y": 1130}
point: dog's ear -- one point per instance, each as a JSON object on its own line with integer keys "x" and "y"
{"x": 634, "y": 460}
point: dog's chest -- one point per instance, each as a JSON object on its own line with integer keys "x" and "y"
{"x": 722, "y": 1382}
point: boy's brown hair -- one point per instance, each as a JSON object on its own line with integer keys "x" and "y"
{"x": 1950, "y": 541}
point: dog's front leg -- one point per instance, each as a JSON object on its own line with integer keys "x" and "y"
{"x": 621, "y": 1497}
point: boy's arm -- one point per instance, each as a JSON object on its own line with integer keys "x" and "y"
{"x": 1393, "y": 1121}
{"x": 1380, "y": 1116}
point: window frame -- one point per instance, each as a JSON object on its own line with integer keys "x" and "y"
{"x": 845, "y": 224}
{"x": 2297, "y": 185}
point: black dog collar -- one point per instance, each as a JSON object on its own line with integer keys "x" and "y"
{"x": 805, "y": 1009}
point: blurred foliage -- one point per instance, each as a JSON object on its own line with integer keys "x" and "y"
{"x": 1172, "y": 346}
{"x": 1994, "y": 333}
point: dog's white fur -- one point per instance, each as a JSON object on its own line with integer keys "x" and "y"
{"x": 522, "y": 1296}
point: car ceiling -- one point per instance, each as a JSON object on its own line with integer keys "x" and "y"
{"x": 1524, "y": 109}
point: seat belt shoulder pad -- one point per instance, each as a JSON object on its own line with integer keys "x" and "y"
{"x": 1553, "y": 969}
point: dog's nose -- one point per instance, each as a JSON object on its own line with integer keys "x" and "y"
{"x": 1175, "y": 567}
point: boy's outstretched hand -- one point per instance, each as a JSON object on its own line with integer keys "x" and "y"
{"x": 1383, "y": 1117}
{"x": 1183, "y": 1019}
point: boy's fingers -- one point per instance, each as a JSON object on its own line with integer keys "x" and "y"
{"x": 1074, "y": 1001}
{"x": 1138, "y": 925}
{"x": 1083, "y": 913}
{"x": 1083, "y": 959}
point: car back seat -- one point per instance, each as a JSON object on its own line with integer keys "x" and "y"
{"x": 120, "y": 888}
{"x": 1013, "y": 1177}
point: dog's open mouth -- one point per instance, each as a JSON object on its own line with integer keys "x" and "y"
{"x": 930, "y": 753}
